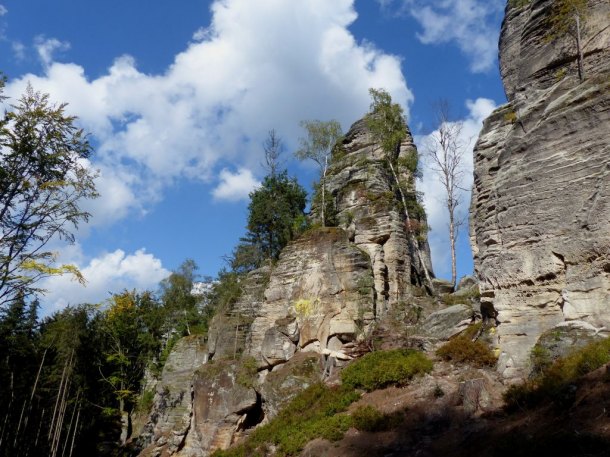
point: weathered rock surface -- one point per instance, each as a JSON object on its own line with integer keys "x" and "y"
{"x": 170, "y": 419}
{"x": 448, "y": 322}
{"x": 368, "y": 207}
{"x": 541, "y": 199}
{"x": 320, "y": 287}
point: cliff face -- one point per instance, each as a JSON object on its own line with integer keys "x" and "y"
{"x": 540, "y": 211}
{"x": 297, "y": 319}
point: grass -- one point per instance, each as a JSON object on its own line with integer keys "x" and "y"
{"x": 380, "y": 369}
{"x": 369, "y": 419}
{"x": 556, "y": 383}
{"x": 461, "y": 349}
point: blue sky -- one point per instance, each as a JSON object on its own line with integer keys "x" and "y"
{"x": 179, "y": 96}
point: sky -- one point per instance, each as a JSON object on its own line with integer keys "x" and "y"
{"x": 179, "y": 97}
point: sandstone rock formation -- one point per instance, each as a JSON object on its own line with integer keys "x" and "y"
{"x": 299, "y": 318}
{"x": 540, "y": 209}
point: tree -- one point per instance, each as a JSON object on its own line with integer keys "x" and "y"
{"x": 273, "y": 147}
{"x": 43, "y": 181}
{"x": 275, "y": 214}
{"x": 180, "y": 306}
{"x": 447, "y": 152}
{"x": 317, "y": 146}
{"x": 569, "y": 17}
{"x": 387, "y": 125}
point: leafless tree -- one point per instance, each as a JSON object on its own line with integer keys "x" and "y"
{"x": 446, "y": 152}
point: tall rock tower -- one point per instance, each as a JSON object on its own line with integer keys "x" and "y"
{"x": 540, "y": 213}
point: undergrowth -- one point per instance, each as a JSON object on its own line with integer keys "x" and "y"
{"x": 320, "y": 411}
{"x": 557, "y": 382}
{"x": 461, "y": 349}
{"x": 383, "y": 368}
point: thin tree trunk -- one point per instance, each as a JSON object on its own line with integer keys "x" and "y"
{"x": 39, "y": 427}
{"x": 413, "y": 240}
{"x": 74, "y": 434}
{"x": 324, "y": 191}
{"x": 63, "y": 452}
{"x": 31, "y": 398}
{"x": 452, "y": 243}
{"x": 61, "y": 383}
{"x": 581, "y": 67}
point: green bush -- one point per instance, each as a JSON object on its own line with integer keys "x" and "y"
{"x": 370, "y": 419}
{"x": 383, "y": 368}
{"x": 461, "y": 349}
{"x": 556, "y": 383}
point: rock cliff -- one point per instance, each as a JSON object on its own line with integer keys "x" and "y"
{"x": 299, "y": 318}
{"x": 540, "y": 207}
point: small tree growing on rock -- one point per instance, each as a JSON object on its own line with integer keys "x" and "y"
{"x": 387, "y": 125}
{"x": 569, "y": 17}
{"x": 317, "y": 146}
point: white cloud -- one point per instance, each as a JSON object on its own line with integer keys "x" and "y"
{"x": 434, "y": 194}
{"x": 3, "y": 10}
{"x": 109, "y": 273}
{"x": 235, "y": 186}
{"x": 258, "y": 65}
{"x": 18, "y": 50}
{"x": 46, "y": 47}
{"x": 472, "y": 25}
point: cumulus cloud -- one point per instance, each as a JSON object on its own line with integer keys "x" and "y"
{"x": 46, "y": 47}
{"x": 472, "y": 25}
{"x": 258, "y": 65}
{"x": 235, "y": 186}
{"x": 434, "y": 194}
{"x": 109, "y": 273}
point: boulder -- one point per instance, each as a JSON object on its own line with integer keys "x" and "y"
{"x": 448, "y": 322}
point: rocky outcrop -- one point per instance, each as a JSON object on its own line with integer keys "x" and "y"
{"x": 300, "y": 317}
{"x": 170, "y": 419}
{"x": 541, "y": 198}
{"x": 321, "y": 287}
{"x": 367, "y": 206}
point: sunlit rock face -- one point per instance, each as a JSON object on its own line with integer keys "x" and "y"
{"x": 540, "y": 211}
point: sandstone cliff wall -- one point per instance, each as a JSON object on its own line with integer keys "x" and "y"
{"x": 540, "y": 212}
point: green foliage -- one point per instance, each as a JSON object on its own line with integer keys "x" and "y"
{"x": 386, "y": 121}
{"x": 369, "y": 419}
{"x": 461, "y": 298}
{"x": 317, "y": 412}
{"x": 461, "y": 349}
{"x": 181, "y": 310}
{"x": 556, "y": 382}
{"x": 380, "y": 369}
{"x": 145, "y": 401}
{"x": 247, "y": 372}
{"x": 365, "y": 285}
{"x": 275, "y": 213}
{"x": 43, "y": 183}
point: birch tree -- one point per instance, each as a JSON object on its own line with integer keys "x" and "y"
{"x": 446, "y": 154}
{"x": 317, "y": 146}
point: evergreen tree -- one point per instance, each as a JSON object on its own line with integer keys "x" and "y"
{"x": 276, "y": 214}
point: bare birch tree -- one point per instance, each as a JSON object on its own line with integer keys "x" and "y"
{"x": 446, "y": 152}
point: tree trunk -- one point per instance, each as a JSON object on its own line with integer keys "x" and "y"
{"x": 581, "y": 59}
{"x": 452, "y": 237}
{"x": 413, "y": 240}
{"x": 324, "y": 191}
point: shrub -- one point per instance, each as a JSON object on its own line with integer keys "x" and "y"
{"x": 461, "y": 349}
{"x": 556, "y": 383}
{"x": 370, "y": 419}
{"x": 383, "y": 368}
